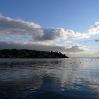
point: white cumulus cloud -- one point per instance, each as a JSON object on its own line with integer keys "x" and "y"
{"x": 9, "y": 26}
{"x": 94, "y": 29}
{"x": 20, "y": 28}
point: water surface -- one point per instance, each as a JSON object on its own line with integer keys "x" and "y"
{"x": 49, "y": 78}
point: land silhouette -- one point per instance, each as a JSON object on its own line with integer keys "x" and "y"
{"x": 26, "y": 53}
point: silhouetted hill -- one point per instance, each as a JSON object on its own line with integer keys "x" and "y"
{"x": 25, "y": 53}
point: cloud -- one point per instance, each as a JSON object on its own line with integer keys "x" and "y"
{"x": 94, "y": 29}
{"x": 16, "y": 33}
{"x": 76, "y": 35}
{"x": 60, "y": 33}
{"x": 95, "y": 53}
{"x": 9, "y": 26}
{"x": 76, "y": 48}
{"x": 42, "y": 46}
{"x": 96, "y": 40}
{"x": 20, "y": 28}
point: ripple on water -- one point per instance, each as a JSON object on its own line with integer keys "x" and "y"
{"x": 49, "y": 78}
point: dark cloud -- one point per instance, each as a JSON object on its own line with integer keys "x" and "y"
{"x": 96, "y": 40}
{"x": 44, "y": 47}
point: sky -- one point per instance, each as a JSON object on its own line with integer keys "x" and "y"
{"x": 67, "y": 26}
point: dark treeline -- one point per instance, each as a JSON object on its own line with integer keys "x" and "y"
{"x": 25, "y": 53}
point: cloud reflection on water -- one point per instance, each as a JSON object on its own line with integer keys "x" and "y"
{"x": 51, "y": 76}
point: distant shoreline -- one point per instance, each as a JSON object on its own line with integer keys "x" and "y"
{"x": 26, "y": 53}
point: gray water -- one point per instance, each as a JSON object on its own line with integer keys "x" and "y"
{"x": 49, "y": 78}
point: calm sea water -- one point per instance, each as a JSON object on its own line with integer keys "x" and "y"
{"x": 49, "y": 78}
